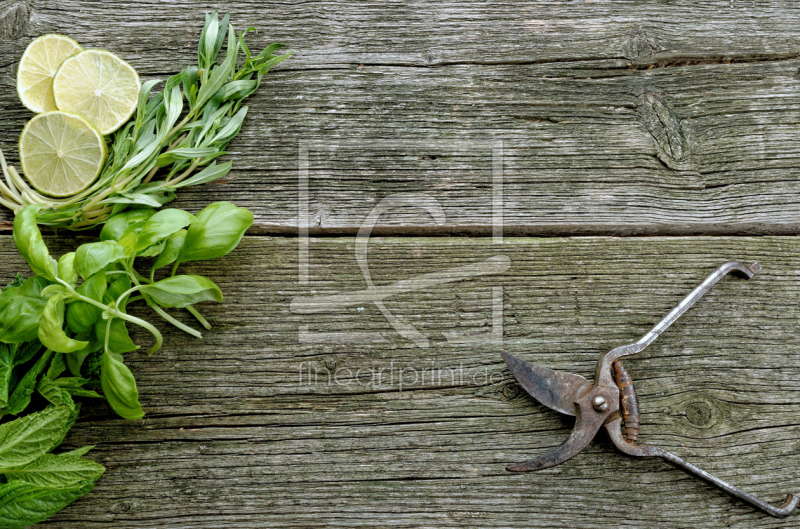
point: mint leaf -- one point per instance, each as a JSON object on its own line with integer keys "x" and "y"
{"x": 25, "y": 439}
{"x": 62, "y": 470}
{"x": 23, "y": 503}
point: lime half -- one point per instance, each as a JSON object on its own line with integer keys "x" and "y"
{"x": 99, "y": 86}
{"x": 37, "y": 67}
{"x": 61, "y": 154}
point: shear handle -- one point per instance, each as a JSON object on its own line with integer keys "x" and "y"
{"x": 782, "y": 511}
{"x": 603, "y": 374}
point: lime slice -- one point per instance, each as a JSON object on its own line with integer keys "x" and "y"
{"x": 61, "y": 154}
{"x": 99, "y": 86}
{"x": 37, "y": 67}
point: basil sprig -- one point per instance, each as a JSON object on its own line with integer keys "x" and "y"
{"x": 91, "y": 318}
{"x": 64, "y": 334}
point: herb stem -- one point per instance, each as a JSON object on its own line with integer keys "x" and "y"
{"x": 108, "y": 334}
{"x": 151, "y": 174}
{"x": 115, "y": 312}
{"x": 200, "y": 318}
{"x": 186, "y": 173}
{"x": 176, "y": 142}
{"x": 161, "y": 312}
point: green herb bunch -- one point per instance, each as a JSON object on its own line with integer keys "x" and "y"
{"x": 158, "y": 152}
{"x": 76, "y": 306}
{"x": 63, "y": 334}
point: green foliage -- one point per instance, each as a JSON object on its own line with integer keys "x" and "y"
{"x": 217, "y": 230}
{"x": 63, "y": 335}
{"x": 40, "y": 484}
{"x": 182, "y": 291}
{"x": 30, "y": 244}
{"x": 119, "y": 387}
{"x": 21, "y": 310}
{"x": 78, "y": 320}
{"x": 173, "y": 139}
{"x": 64, "y": 331}
{"x": 27, "y": 438}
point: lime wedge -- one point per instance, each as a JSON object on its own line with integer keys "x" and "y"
{"x": 61, "y": 154}
{"x": 37, "y": 67}
{"x": 99, "y": 86}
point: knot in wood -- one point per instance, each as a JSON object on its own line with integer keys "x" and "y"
{"x": 664, "y": 125}
{"x": 701, "y": 413}
{"x": 511, "y": 391}
{"x": 14, "y": 19}
{"x": 640, "y": 45}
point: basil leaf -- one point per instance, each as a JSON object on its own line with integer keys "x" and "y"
{"x": 118, "y": 340}
{"x": 21, "y": 310}
{"x": 162, "y": 225}
{"x": 152, "y": 251}
{"x": 117, "y": 224}
{"x": 23, "y": 503}
{"x": 51, "y": 332}
{"x": 23, "y": 440}
{"x": 119, "y": 387}
{"x": 171, "y": 249}
{"x": 30, "y": 244}
{"x": 81, "y": 315}
{"x": 218, "y": 229}
{"x": 128, "y": 239}
{"x": 52, "y": 290}
{"x": 21, "y": 396}
{"x": 180, "y": 291}
{"x": 66, "y": 269}
{"x": 92, "y": 257}
{"x": 75, "y": 360}
{"x": 116, "y": 289}
{"x": 62, "y": 470}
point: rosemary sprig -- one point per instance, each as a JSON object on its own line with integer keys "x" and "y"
{"x": 155, "y": 154}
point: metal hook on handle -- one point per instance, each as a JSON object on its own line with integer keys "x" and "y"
{"x": 782, "y": 511}
{"x": 603, "y": 373}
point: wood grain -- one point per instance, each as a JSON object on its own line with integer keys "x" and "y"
{"x": 614, "y": 119}
{"x": 595, "y": 141}
{"x": 249, "y": 427}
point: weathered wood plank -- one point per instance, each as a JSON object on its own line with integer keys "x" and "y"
{"x": 332, "y": 34}
{"x": 592, "y": 143}
{"x": 245, "y": 429}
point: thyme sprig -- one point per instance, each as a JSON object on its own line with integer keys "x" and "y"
{"x": 155, "y": 154}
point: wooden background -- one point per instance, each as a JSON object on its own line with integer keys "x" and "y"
{"x": 646, "y": 142}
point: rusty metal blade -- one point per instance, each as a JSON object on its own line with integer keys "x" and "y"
{"x": 555, "y": 389}
{"x": 589, "y": 420}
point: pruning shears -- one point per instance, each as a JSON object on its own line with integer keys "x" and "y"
{"x": 612, "y": 402}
